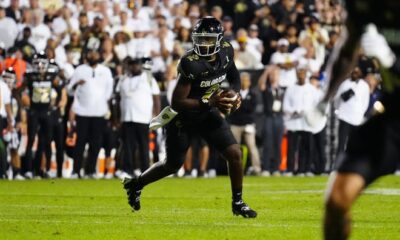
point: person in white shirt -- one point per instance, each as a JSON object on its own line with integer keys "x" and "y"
{"x": 140, "y": 101}
{"x": 65, "y": 24}
{"x": 298, "y": 99}
{"x": 286, "y": 62}
{"x": 40, "y": 31}
{"x": 125, "y": 25}
{"x": 5, "y": 123}
{"x": 8, "y": 29}
{"x": 352, "y": 100}
{"x": 9, "y": 112}
{"x": 92, "y": 84}
{"x": 318, "y": 35}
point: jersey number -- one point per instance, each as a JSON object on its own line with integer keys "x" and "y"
{"x": 41, "y": 95}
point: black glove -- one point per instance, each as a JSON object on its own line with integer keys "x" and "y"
{"x": 347, "y": 95}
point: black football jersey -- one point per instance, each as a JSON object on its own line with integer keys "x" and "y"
{"x": 206, "y": 77}
{"x": 40, "y": 88}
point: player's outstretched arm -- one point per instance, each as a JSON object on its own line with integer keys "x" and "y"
{"x": 343, "y": 58}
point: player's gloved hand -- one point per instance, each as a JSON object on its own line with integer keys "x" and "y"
{"x": 225, "y": 100}
{"x": 217, "y": 100}
{"x": 375, "y": 45}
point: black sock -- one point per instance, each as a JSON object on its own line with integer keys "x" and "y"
{"x": 236, "y": 195}
{"x": 16, "y": 171}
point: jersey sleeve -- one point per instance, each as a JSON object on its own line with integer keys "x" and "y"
{"x": 184, "y": 72}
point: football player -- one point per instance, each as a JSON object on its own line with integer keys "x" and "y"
{"x": 39, "y": 83}
{"x": 12, "y": 124}
{"x": 373, "y": 149}
{"x": 198, "y": 99}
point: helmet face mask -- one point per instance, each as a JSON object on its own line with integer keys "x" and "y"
{"x": 206, "y": 44}
{"x": 207, "y": 36}
{"x": 9, "y": 77}
{"x": 40, "y": 62}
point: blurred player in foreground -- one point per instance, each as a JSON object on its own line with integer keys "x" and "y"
{"x": 373, "y": 149}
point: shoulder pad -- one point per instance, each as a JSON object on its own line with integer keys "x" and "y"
{"x": 225, "y": 44}
{"x": 186, "y": 65}
{"x": 53, "y": 70}
{"x": 30, "y": 71}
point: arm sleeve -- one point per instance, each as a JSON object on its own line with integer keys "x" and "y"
{"x": 183, "y": 76}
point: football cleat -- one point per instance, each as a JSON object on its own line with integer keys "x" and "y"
{"x": 241, "y": 208}
{"x": 133, "y": 191}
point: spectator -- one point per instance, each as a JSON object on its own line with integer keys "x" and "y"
{"x": 291, "y": 34}
{"x": 83, "y": 22}
{"x": 318, "y": 36}
{"x": 299, "y": 98}
{"x": 352, "y": 100}
{"x": 92, "y": 84}
{"x": 286, "y": 62}
{"x": 244, "y": 57}
{"x": 109, "y": 58}
{"x": 318, "y": 156}
{"x": 14, "y": 11}
{"x": 140, "y": 101}
{"x": 65, "y": 24}
{"x": 183, "y": 38}
{"x": 74, "y": 49}
{"x": 27, "y": 49}
{"x": 273, "y": 124}
{"x": 254, "y": 42}
{"x": 243, "y": 121}
{"x": 227, "y": 23}
{"x": 217, "y": 12}
{"x": 40, "y": 31}
{"x": 122, "y": 46}
{"x": 8, "y": 29}
{"x": 124, "y": 25}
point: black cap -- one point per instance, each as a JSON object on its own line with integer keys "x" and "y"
{"x": 227, "y": 19}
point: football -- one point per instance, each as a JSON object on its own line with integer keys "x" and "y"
{"x": 229, "y": 95}
{"x": 229, "y": 101}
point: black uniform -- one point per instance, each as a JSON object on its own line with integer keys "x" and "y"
{"x": 373, "y": 149}
{"x": 205, "y": 78}
{"x": 58, "y": 122}
{"x": 208, "y": 123}
{"x": 39, "y": 115}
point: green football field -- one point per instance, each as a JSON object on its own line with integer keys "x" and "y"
{"x": 288, "y": 208}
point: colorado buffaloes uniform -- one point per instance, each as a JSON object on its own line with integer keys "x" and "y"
{"x": 39, "y": 113}
{"x": 373, "y": 149}
{"x": 205, "y": 78}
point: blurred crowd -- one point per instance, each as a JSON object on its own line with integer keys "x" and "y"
{"x": 110, "y": 66}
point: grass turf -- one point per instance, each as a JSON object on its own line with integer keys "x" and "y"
{"x": 288, "y": 208}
